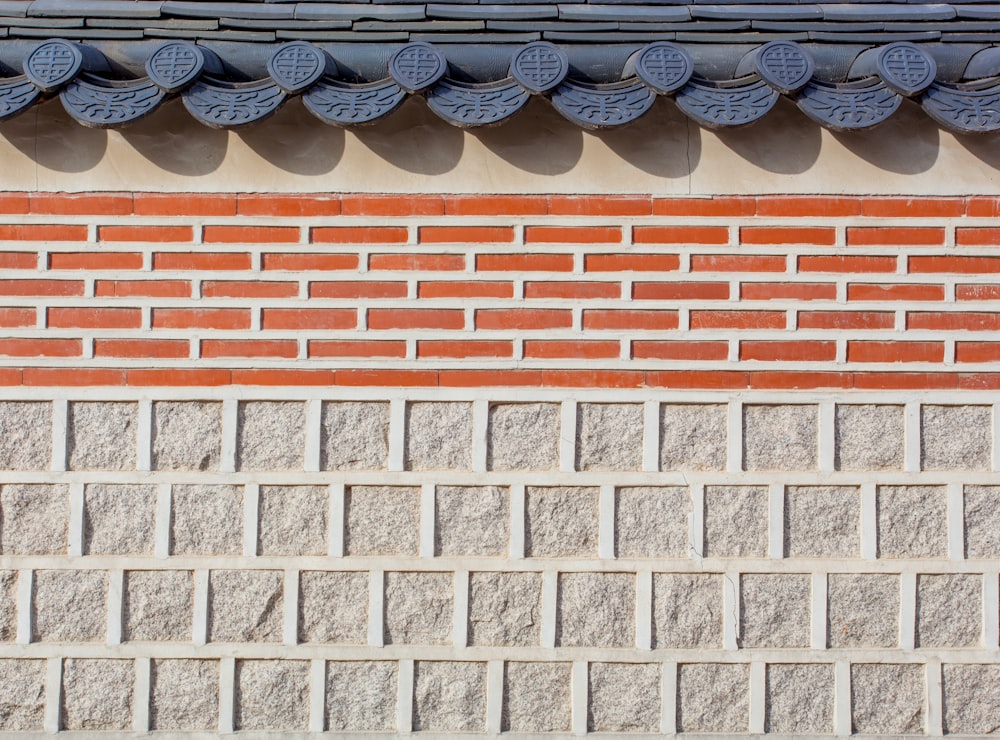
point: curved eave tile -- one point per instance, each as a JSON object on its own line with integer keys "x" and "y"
{"x": 717, "y": 106}
{"x": 340, "y": 104}
{"x": 963, "y": 110}
{"x": 16, "y": 96}
{"x": 848, "y": 107}
{"x": 469, "y": 106}
{"x": 232, "y": 105}
{"x": 602, "y": 106}
{"x": 108, "y": 105}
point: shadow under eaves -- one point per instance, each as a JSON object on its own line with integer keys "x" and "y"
{"x": 536, "y": 140}
{"x": 664, "y": 142}
{"x": 47, "y": 135}
{"x": 908, "y": 143}
{"x": 176, "y": 142}
{"x": 295, "y": 141}
{"x": 784, "y": 141}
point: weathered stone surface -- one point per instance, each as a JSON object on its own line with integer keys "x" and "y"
{"x": 609, "y": 436}
{"x": 652, "y": 522}
{"x": 822, "y": 521}
{"x": 982, "y": 521}
{"x": 333, "y": 607}
{"x": 736, "y": 521}
{"x": 912, "y": 521}
{"x": 504, "y": 608}
{"x": 887, "y": 698}
{"x": 693, "y": 436}
{"x": 25, "y": 435}
{"x": 949, "y": 610}
{"x": 34, "y": 519}
{"x": 119, "y": 519}
{"x": 271, "y": 695}
{"x": 361, "y": 696}
{"x": 449, "y": 696}
{"x": 774, "y": 610}
{"x": 561, "y": 521}
{"x": 69, "y": 606}
{"x": 971, "y": 699}
{"x": 419, "y": 608}
{"x": 382, "y": 520}
{"x": 687, "y": 610}
{"x": 624, "y": 697}
{"x": 22, "y": 695}
{"x": 158, "y": 605}
{"x": 862, "y": 610}
{"x": 869, "y": 437}
{"x": 8, "y": 607}
{"x": 354, "y": 436}
{"x": 472, "y": 520}
{"x": 101, "y": 436}
{"x": 523, "y": 436}
{"x": 97, "y": 694}
{"x": 596, "y": 609}
{"x": 206, "y": 520}
{"x": 439, "y": 436}
{"x": 293, "y": 520}
{"x": 184, "y": 695}
{"x": 270, "y": 435}
{"x": 799, "y": 698}
{"x": 244, "y": 605}
{"x": 713, "y": 697}
{"x": 780, "y": 437}
{"x": 187, "y": 435}
{"x": 536, "y": 697}
{"x": 955, "y": 437}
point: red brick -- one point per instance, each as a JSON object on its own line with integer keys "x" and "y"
{"x": 495, "y": 205}
{"x": 977, "y": 292}
{"x": 913, "y": 207}
{"x": 788, "y": 291}
{"x": 982, "y": 205}
{"x": 824, "y": 235}
{"x": 233, "y": 234}
{"x": 273, "y": 204}
{"x": 524, "y": 262}
{"x": 95, "y": 261}
{"x": 657, "y": 350}
{"x": 524, "y": 318}
{"x": 846, "y": 320}
{"x": 788, "y": 351}
{"x": 142, "y": 288}
{"x": 572, "y": 234}
{"x": 680, "y": 291}
{"x": 358, "y": 289}
{"x": 201, "y": 261}
{"x": 575, "y": 289}
{"x": 495, "y": 378}
{"x": 807, "y": 205}
{"x": 83, "y": 204}
{"x": 466, "y": 289}
{"x": 905, "y": 381}
{"x": 184, "y": 204}
{"x": 458, "y": 349}
{"x": 14, "y": 203}
{"x": 416, "y": 262}
{"x": 894, "y": 292}
{"x": 738, "y": 319}
{"x": 358, "y": 235}
{"x": 72, "y": 376}
{"x": 600, "y": 205}
{"x": 248, "y": 289}
{"x": 700, "y": 379}
{"x": 796, "y": 380}
{"x": 387, "y": 378}
{"x": 629, "y": 320}
{"x": 846, "y": 263}
{"x": 309, "y": 318}
{"x": 680, "y": 235}
{"x": 894, "y": 235}
{"x": 34, "y": 347}
{"x": 41, "y": 287}
{"x": 977, "y": 351}
{"x": 145, "y": 233}
{"x": 631, "y": 262}
{"x": 569, "y": 349}
{"x": 303, "y": 262}
{"x": 954, "y": 264}
{"x": 18, "y": 260}
{"x": 201, "y": 318}
{"x": 720, "y": 206}
{"x": 43, "y": 232}
{"x": 146, "y": 377}
{"x": 154, "y": 348}
{"x": 362, "y": 204}
{"x": 352, "y": 348}
{"x": 11, "y": 376}
{"x": 738, "y": 263}
{"x": 969, "y": 321}
{"x": 13, "y": 317}
{"x": 977, "y": 236}
{"x": 895, "y": 351}
{"x": 465, "y": 234}
{"x": 592, "y": 379}
{"x": 284, "y": 377}
{"x": 78, "y": 317}
{"x": 211, "y": 348}
{"x": 416, "y": 318}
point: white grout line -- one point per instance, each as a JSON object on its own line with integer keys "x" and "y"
{"x": 696, "y": 521}
{"x": 758, "y": 698}
{"x": 912, "y": 444}
{"x": 730, "y": 610}
{"x": 734, "y": 437}
{"x": 956, "y": 521}
{"x": 60, "y": 435}
{"x": 991, "y": 610}
{"x": 668, "y": 698}
{"x": 842, "y": 725}
{"x": 76, "y": 516}
{"x": 317, "y": 695}
{"x": 200, "y": 608}
{"x": 644, "y": 610}
{"x": 460, "y": 616}
{"x": 517, "y": 521}
{"x": 480, "y": 434}
{"x": 907, "y": 610}
{"x": 567, "y": 437}
{"x": 53, "y": 695}
{"x": 376, "y": 590}
{"x": 251, "y": 510}
{"x": 290, "y": 608}
{"x": 404, "y": 697}
{"x": 230, "y": 418}
{"x": 776, "y": 521}
{"x": 933, "y": 699}
{"x": 336, "y": 525}
{"x": 550, "y": 595}
{"x": 25, "y": 588}
{"x": 827, "y": 436}
{"x": 144, "y": 435}
{"x": 869, "y": 521}
{"x": 651, "y": 436}
{"x": 996, "y": 437}
{"x": 227, "y": 694}
{"x": 579, "y": 689}
{"x": 606, "y": 522}
{"x": 161, "y": 537}
{"x": 314, "y": 423}
{"x": 427, "y": 516}
{"x": 141, "y": 697}
{"x": 397, "y": 434}
{"x": 818, "y": 637}
{"x": 494, "y": 696}
{"x": 116, "y": 584}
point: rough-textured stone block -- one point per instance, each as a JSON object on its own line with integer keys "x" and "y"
{"x": 22, "y": 695}
{"x": 206, "y": 520}
{"x": 293, "y": 520}
{"x": 523, "y": 436}
{"x": 652, "y": 522}
{"x": 780, "y": 437}
{"x": 869, "y": 437}
{"x": 609, "y": 436}
{"x": 736, "y": 521}
{"x": 184, "y": 695}
{"x": 382, "y": 520}
{"x": 693, "y": 436}
{"x": 271, "y": 695}
{"x": 472, "y": 520}
{"x": 270, "y": 435}
{"x": 187, "y": 435}
{"x": 912, "y": 521}
{"x": 8, "y": 606}
{"x": 333, "y": 607}
{"x": 418, "y": 608}
{"x": 624, "y": 697}
{"x": 97, "y": 694}
{"x": 354, "y": 436}
{"x": 101, "y": 436}
{"x": 949, "y": 610}
{"x": 596, "y": 609}
{"x": 713, "y": 697}
{"x": 361, "y": 696}
{"x": 158, "y": 605}
{"x": 119, "y": 519}
{"x": 862, "y": 610}
{"x": 887, "y": 698}
{"x": 504, "y": 608}
{"x": 69, "y": 606}
{"x": 25, "y": 435}
{"x": 687, "y": 610}
{"x": 536, "y": 697}
{"x": 822, "y": 521}
{"x": 34, "y": 519}
{"x": 449, "y": 696}
{"x": 244, "y": 606}
{"x": 982, "y": 521}
{"x": 439, "y": 436}
{"x": 561, "y": 521}
{"x": 774, "y": 610}
{"x": 955, "y": 437}
{"x": 799, "y": 698}
{"x": 971, "y": 699}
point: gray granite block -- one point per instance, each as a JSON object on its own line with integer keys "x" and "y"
{"x": 869, "y": 437}
{"x": 184, "y": 695}
{"x": 382, "y": 520}
{"x": 271, "y": 695}
{"x": 25, "y": 435}
{"x": 652, "y": 522}
{"x": 624, "y": 697}
{"x": 596, "y": 610}
{"x": 449, "y": 696}
{"x": 887, "y": 698}
{"x": 419, "y": 608}
{"x": 822, "y": 521}
{"x": 158, "y": 605}
{"x": 536, "y": 697}
{"x": 187, "y": 435}
{"x": 955, "y": 437}
{"x": 439, "y": 436}
{"x": 34, "y": 519}
{"x": 293, "y": 520}
{"x": 523, "y": 436}
{"x": 245, "y": 605}
{"x": 774, "y": 610}
{"x": 22, "y": 695}
{"x": 949, "y": 610}
{"x": 982, "y": 521}
{"x": 561, "y": 521}
{"x": 971, "y": 699}
{"x": 69, "y": 606}
{"x": 713, "y": 697}
{"x": 693, "y": 436}
{"x": 206, "y": 520}
{"x": 270, "y": 435}
{"x": 361, "y": 696}
{"x": 736, "y": 521}
{"x": 333, "y": 607}
{"x": 912, "y": 521}
{"x": 505, "y": 608}
{"x": 101, "y": 436}
{"x": 354, "y": 435}
{"x": 97, "y": 694}
{"x": 799, "y": 698}
{"x": 609, "y": 436}
{"x": 119, "y": 519}
{"x": 780, "y": 437}
{"x": 862, "y": 610}
{"x": 472, "y": 520}
{"x": 687, "y": 610}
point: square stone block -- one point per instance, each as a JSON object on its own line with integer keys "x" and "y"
{"x": 624, "y": 697}
{"x": 293, "y": 520}
{"x": 713, "y": 697}
{"x": 536, "y": 697}
{"x": 955, "y": 437}
{"x": 438, "y": 436}
{"x": 97, "y": 694}
{"x": 333, "y": 607}
{"x": 822, "y": 522}
{"x": 449, "y": 696}
{"x": 272, "y": 695}
{"x": 158, "y": 605}
{"x": 184, "y": 695}
{"x": 687, "y": 610}
{"x": 652, "y": 522}
{"x": 693, "y": 436}
{"x": 245, "y": 605}
{"x": 505, "y": 608}
{"x": 780, "y": 437}
{"x": 8, "y": 607}
{"x": 982, "y": 521}
{"x": 419, "y": 608}
{"x": 354, "y": 436}
{"x": 862, "y": 610}
{"x": 609, "y": 436}
{"x": 736, "y": 521}
{"x": 361, "y": 696}
{"x": 69, "y": 606}
{"x": 270, "y": 435}
{"x": 887, "y": 698}
{"x": 596, "y": 610}
{"x": 472, "y": 520}
{"x": 25, "y": 435}
{"x": 34, "y": 519}
{"x": 101, "y": 436}
{"x": 774, "y": 610}
{"x": 949, "y": 610}
{"x": 22, "y": 695}
{"x": 206, "y": 520}
{"x": 524, "y": 436}
{"x": 799, "y": 698}
{"x": 382, "y": 520}
{"x": 912, "y": 521}
{"x": 971, "y": 699}
{"x": 119, "y": 519}
{"x": 869, "y": 437}
{"x": 187, "y": 435}
{"x": 561, "y": 522}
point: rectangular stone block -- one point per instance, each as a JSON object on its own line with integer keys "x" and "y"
{"x": 713, "y": 697}
{"x": 799, "y": 698}
{"x": 158, "y": 605}
{"x": 97, "y": 694}
{"x": 449, "y": 696}
{"x": 382, "y": 520}
{"x": 955, "y": 437}
{"x": 25, "y": 435}
{"x": 652, "y": 522}
{"x": 561, "y": 522}
{"x": 887, "y": 698}
{"x": 505, "y": 608}
{"x": 270, "y": 435}
{"x": 971, "y": 699}
{"x": 869, "y": 437}
{"x": 418, "y": 608}
{"x": 438, "y": 436}
{"x": 912, "y": 521}
{"x": 293, "y": 520}
{"x": 949, "y": 610}
{"x": 354, "y": 436}
{"x": 780, "y": 437}
{"x": 184, "y": 695}
{"x": 187, "y": 435}
{"x": 472, "y": 520}
{"x": 119, "y": 519}
{"x": 333, "y": 607}
{"x": 206, "y": 520}
{"x": 271, "y": 695}
{"x": 523, "y": 436}
{"x": 609, "y": 436}
{"x": 8, "y": 606}
{"x": 693, "y": 436}
{"x": 101, "y": 436}
{"x": 624, "y": 697}
{"x": 862, "y": 610}
{"x": 736, "y": 521}
{"x": 361, "y": 696}
{"x": 822, "y": 521}
{"x": 245, "y": 605}
{"x": 69, "y": 606}
{"x": 774, "y": 610}
{"x": 22, "y": 695}
{"x": 596, "y": 610}
{"x": 536, "y": 697}
{"x": 687, "y": 610}
{"x": 34, "y": 519}
{"x": 982, "y": 521}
